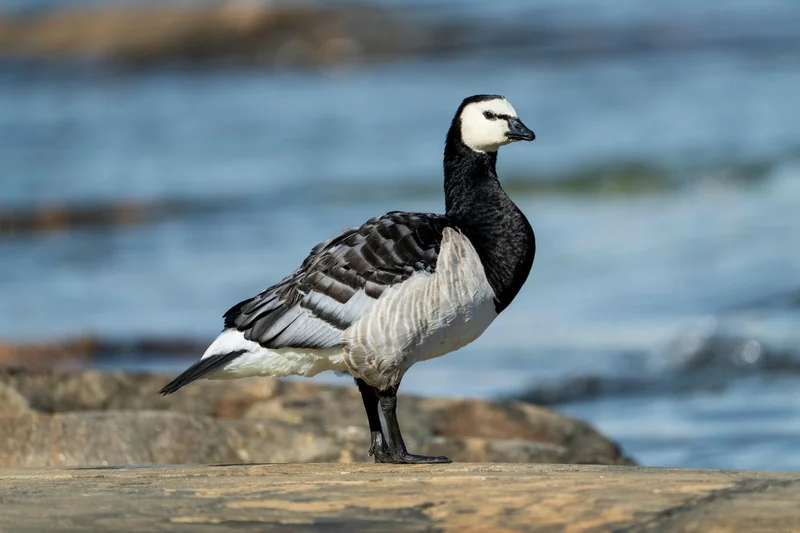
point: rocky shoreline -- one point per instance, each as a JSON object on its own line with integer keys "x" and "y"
{"x": 218, "y": 32}
{"x": 61, "y": 418}
{"x": 309, "y": 34}
{"x": 90, "y": 349}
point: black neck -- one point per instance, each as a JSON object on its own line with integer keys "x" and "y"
{"x": 477, "y": 205}
{"x": 466, "y": 172}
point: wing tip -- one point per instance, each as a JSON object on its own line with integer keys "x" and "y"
{"x": 171, "y": 387}
{"x": 187, "y": 376}
{"x": 199, "y": 370}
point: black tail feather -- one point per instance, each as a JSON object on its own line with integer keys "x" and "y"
{"x": 200, "y": 369}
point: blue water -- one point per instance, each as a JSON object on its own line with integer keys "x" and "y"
{"x": 627, "y": 283}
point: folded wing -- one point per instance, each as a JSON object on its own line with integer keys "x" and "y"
{"x": 339, "y": 281}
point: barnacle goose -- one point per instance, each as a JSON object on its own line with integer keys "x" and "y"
{"x": 402, "y": 288}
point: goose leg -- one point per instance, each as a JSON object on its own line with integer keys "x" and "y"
{"x": 370, "y": 398}
{"x": 396, "y": 451}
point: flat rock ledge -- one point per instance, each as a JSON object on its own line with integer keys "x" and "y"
{"x": 356, "y": 498}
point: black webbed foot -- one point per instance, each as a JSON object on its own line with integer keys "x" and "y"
{"x": 403, "y": 457}
{"x": 397, "y": 452}
{"x": 394, "y": 451}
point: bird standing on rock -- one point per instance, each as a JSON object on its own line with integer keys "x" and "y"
{"x": 402, "y": 288}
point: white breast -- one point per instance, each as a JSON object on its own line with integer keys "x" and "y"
{"x": 426, "y": 316}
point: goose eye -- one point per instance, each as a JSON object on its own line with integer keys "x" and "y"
{"x": 489, "y": 115}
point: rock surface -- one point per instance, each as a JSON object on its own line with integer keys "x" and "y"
{"x": 88, "y": 348}
{"x": 399, "y": 498}
{"x": 230, "y": 31}
{"x": 57, "y": 216}
{"x": 82, "y": 418}
{"x": 310, "y": 33}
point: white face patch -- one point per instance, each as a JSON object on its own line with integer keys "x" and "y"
{"x": 486, "y": 134}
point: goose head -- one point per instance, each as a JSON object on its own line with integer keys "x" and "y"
{"x": 487, "y": 122}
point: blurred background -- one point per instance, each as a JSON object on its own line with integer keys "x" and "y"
{"x": 162, "y": 161}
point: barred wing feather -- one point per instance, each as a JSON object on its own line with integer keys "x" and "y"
{"x": 339, "y": 281}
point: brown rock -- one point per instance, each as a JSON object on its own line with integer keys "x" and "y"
{"x": 69, "y": 352}
{"x": 514, "y": 421}
{"x": 88, "y": 418}
{"x": 458, "y": 498}
{"x": 162, "y": 437}
{"x": 12, "y": 403}
{"x": 42, "y": 355}
{"x": 59, "y": 216}
{"x": 227, "y": 31}
{"x": 55, "y": 391}
{"x": 97, "y": 438}
{"x": 477, "y": 449}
